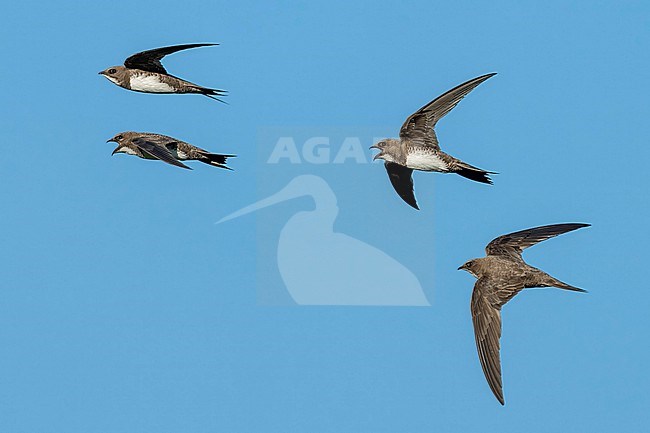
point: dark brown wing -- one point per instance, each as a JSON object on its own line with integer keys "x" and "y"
{"x": 419, "y": 126}
{"x": 158, "y": 151}
{"x": 150, "y": 60}
{"x": 487, "y": 331}
{"x": 513, "y": 244}
{"x": 402, "y": 180}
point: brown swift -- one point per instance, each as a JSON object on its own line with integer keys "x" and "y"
{"x": 167, "y": 149}
{"x": 143, "y": 72}
{"x": 501, "y": 275}
{"x": 417, "y": 147}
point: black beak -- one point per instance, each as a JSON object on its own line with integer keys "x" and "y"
{"x": 374, "y": 146}
{"x": 101, "y": 73}
{"x": 460, "y": 268}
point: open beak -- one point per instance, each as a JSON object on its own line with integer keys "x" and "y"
{"x": 374, "y": 146}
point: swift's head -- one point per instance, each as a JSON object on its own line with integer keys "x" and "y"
{"x": 122, "y": 139}
{"x": 116, "y": 74}
{"x": 387, "y": 149}
{"x": 473, "y": 266}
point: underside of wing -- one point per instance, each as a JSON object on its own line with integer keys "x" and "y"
{"x": 150, "y": 60}
{"x": 158, "y": 151}
{"x": 513, "y": 244}
{"x": 402, "y": 180}
{"x": 487, "y": 331}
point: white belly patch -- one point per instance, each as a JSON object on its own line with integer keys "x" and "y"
{"x": 149, "y": 83}
{"x": 425, "y": 162}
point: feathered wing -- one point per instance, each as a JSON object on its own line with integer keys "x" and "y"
{"x": 150, "y": 60}
{"x": 402, "y": 180}
{"x": 419, "y": 126}
{"x": 513, "y": 244}
{"x": 158, "y": 151}
{"x": 487, "y": 300}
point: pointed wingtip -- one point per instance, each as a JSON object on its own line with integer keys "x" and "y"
{"x": 412, "y": 203}
{"x": 202, "y": 44}
{"x": 576, "y": 226}
{"x": 484, "y": 77}
{"x": 499, "y": 395}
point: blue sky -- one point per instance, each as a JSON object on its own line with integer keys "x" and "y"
{"x": 125, "y": 308}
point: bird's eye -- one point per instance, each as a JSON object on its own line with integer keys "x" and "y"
{"x": 112, "y": 71}
{"x": 119, "y": 137}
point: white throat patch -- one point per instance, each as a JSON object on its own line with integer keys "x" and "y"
{"x": 112, "y": 79}
{"x": 128, "y": 151}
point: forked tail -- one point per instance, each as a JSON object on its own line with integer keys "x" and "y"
{"x": 473, "y": 173}
{"x": 216, "y": 160}
{"x": 213, "y": 93}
